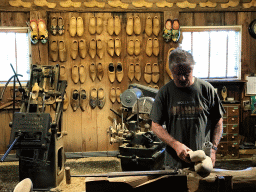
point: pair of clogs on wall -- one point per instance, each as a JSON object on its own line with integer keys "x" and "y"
{"x": 78, "y": 47}
{"x": 114, "y": 94}
{"x": 134, "y": 47}
{"x": 152, "y": 47}
{"x": 38, "y": 31}
{"x": 95, "y": 25}
{"x": 96, "y": 48}
{"x": 115, "y": 72}
{"x": 171, "y": 30}
{"x": 114, "y": 25}
{"x": 58, "y": 50}
{"x": 57, "y": 25}
{"x": 134, "y": 71}
{"x": 78, "y": 73}
{"x": 76, "y": 26}
{"x": 152, "y": 73}
{"x": 79, "y": 99}
{"x": 97, "y": 98}
{"x": 152, "y": 26}
{"x": 96, "y": 71}
{"x": 114, "y": 46}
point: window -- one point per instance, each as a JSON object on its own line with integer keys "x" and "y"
{"x": 216, "y": 51}
{"x": 15, "y": 50}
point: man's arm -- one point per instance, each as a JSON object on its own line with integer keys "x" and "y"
{"x": 216, "y": 136}
{"x": 180, "y": 148}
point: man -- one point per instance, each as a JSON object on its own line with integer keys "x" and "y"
{"x": 191, "y": 110}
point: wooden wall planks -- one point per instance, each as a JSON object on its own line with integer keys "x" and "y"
{"x": 87, "y": 131}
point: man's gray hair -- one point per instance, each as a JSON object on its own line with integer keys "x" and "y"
{"x": 180, "y": 57}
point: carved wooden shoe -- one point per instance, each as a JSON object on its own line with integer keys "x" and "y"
{"x": 155, "y": 72}
{"x": 112, "y": 94}
{"x": 25, "y": 185}
{"x": 156, "y": 26}
{"x": 54, "y": 50}
{"x": 79, "y": 26}
{"x": 196, "y": 156}
{"x": 149, "y": 47}
{"x": 111, "y": 47}
{"x": 65, "y": 102}
{"x": 100, "y": 71}
{"x": 130, "y": 47}
{"x": 42, "y": 29}
{"x": 137, "y": 25}
{"x": 137, "y": 72}
{"x": 82, "y": 48}
{"x": 93, "y": 98}
{"x": 34, "y": 36}
{"x": 118, "y": 47}
{"x": 204, "y": 167}
{"x": 74, "y": 49}
{"x": 74, "y": 101}
{"x": 61, "y": 25}
{"x": 63, "y": 74}
{"x": 148, "y": 73}
{"x": 100, "y": 51}
{"x": 117, "y": 25}
{"x": 110, "y": 26}
{"x": 118, "y": 93}
{"x": 75, "y": 74}
{"x": 148, "y": 28}
{"x": 84, "y": 101}
{"x": 72, "y": 27}
{"x": 99, "y": 26}
{"x": 92, "y": 48}
{"x": 111, "y": 72}
{"x": 175, "y": 30}
{"x": 62, "y": 51}
{"x": 155, "y": 47}
{"x": 137, "y": 47}
{"x": 131, "y": 71}
{"x": 54, "y": 25}
{"x": 129, "y": 26}
{"x": 82, "y": 73}
{"x": 92, "y": 25}
{"x": 92, "y": 71}
{"x": 119, "y": 72}
{"x": 101, "y": 98}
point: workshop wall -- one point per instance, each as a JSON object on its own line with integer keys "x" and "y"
{"x": 87, "y": 130}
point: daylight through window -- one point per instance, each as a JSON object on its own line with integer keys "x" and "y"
{"x": 15, "y": 50}
{"x": 216, "y": 50}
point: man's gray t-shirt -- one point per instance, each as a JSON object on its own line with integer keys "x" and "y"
{"x": 188, "y": 113}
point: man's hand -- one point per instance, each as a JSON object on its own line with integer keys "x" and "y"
{"x": 182, "y": 151}
{"x": 213, "y": 156}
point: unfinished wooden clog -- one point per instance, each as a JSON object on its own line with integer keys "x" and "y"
{"x": 92, "y": 71}
{"x": 117, "y": 25}
{"x": 54, "y": 50}
{"x": 110, "y": 26}
{"x": 79, "y": 26}
{"x": 72, "y": 27}
{"x": 84, "y": 101}
{"x": 82, "y": 48}
{"x": 62, "y": 51}
{"x": 92, "y": 25}
{"x": 137, "y": 25}
{"x": 92, "y": 48}
{"x": 130, "y": 47}
{"x": 75, "y": 74}
{"x": 129, "y": 26}
{"x": 196, "y": 156}
{"x": 82, "y": 73}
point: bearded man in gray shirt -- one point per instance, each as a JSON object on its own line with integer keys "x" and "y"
{"x": 191, "y": 110}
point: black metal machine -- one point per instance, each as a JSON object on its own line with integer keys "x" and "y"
{"x": 36, "y": 136}
{"x": 141, "y": 149}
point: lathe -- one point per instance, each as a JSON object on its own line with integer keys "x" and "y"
{"x": 140, "y": 149}
{"x": 36, "y": 136}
